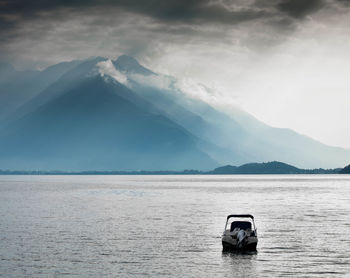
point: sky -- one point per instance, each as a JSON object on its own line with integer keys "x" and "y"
{"x": 287, "y": 62}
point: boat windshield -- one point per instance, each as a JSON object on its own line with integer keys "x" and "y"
{"x": 240, "y": 224}
{"x": 244, "y": 225}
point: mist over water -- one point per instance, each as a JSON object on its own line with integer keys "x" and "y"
{"x": 170, "y": 226}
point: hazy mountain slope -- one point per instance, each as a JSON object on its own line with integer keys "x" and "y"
{"x": 256, "y": 141}
{"x": 172, "y": 108}
{"x": 15, "y": 88}
{"x": 68, "y": 75}
{"x": 93, "y": 126}
{"x": 289, "y": 146}
{"x": 18, "y": 87}
{"x": 7, "y": 71}
{"x": 175, "y": 105}
{"x": 242, "y": 137}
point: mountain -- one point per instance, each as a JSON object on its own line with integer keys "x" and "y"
{"x": 99, "y": 114}
{"x": 345, "y": 170}
{"x": 93, "y": 126}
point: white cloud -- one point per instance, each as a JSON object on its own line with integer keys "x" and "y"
{"x": 107, "y": 68}
{"x": 157, "y": 81}
{"x": 209, "y": 94}
{"x": 191, "y": 88}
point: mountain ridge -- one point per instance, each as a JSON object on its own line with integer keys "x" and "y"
{"x": 222, "y": 137}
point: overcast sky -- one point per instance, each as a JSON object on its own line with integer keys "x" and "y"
{"x": 287, "y": 62}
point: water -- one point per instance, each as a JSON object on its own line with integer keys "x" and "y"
{"x": 170, "y": 226}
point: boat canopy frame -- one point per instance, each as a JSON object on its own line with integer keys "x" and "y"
{"x": 241, "y": 216}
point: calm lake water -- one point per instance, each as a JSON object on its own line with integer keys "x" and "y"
{"x": 170, "y": 226}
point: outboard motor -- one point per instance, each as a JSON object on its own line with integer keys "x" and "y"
{"x": 241, "y": 238}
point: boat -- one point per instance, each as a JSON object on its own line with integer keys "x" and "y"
{"x": 239, "y": 234}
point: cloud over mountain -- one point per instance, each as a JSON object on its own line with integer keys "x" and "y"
{"x": 262, "y": 55}
{"x": 107, "y": 68}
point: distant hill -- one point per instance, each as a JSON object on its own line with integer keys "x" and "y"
{"x": 228, "y": 169}
{"x": 270, "y": 168}
{"x": 345, "y": 170}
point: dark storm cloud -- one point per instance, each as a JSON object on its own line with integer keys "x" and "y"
{"x": 300, "y": 8}
{"x": 96, "y": 27}
{"x": 344, "y": 2}
{"x": 21, "y": 19}
{"x": 15, "y": 13}
{"x": 170, "y": 10}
